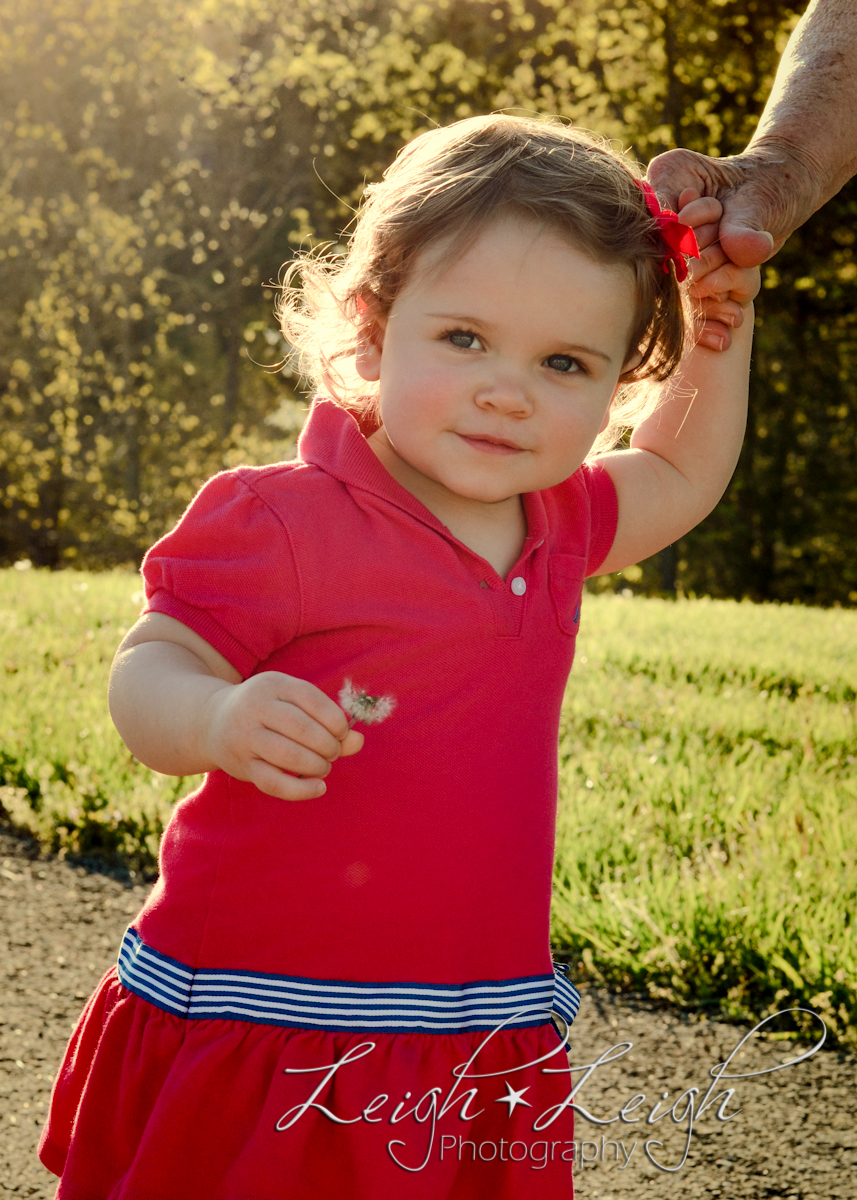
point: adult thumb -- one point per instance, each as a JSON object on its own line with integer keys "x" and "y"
{"x": 741, "y": 239}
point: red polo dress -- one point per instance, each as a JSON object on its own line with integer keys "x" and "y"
{"x": 296, "y": 1005}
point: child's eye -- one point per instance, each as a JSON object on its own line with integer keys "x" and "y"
{"x": 566, "y": 364}
{"x": 464, "y": 340}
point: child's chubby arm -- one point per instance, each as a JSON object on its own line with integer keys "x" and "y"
{"x": 682, "y": 457}
{"x": 181, "y": 708}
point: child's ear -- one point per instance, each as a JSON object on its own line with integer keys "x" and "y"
{"x": 370, "y": 339}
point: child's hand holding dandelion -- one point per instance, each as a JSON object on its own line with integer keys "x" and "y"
{"x": 281, "y": 733}
{"x": 276, "y": 731}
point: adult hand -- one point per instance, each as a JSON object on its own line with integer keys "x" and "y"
{"x": 766, "y": 194}
{"x": 804, "y": 148}
{"x": 278, "y": 732}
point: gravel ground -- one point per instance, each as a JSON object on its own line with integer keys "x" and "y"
{"x": 794, "y": 1136}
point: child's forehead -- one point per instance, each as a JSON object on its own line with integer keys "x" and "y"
{"x": 505, "y": 243}
{"x": 525, "y": 287}
{"x": 530, "y": 257}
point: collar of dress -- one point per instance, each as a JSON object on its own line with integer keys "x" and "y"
{"x": 332, "y": 440}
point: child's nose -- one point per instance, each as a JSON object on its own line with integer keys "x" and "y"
{"x": 505, "y": 394}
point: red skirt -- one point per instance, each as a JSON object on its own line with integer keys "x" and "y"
{"x": 148, "y": 1105}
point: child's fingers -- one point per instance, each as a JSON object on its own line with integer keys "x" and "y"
{"x": 706, "y": 235}
{"x": 294, "y": 723}
{"x": 710, "y": 258}
{"x": 737, "y": 283}
{"x": 728, "y": 312}
{"x": 288, "y": 754}
{"x": 313, "y": 701}
{"x": 702, "y": 214}
{"x": 353, "y": 743}
{"x": 715, "y": 321}
{"x": 285, "y": 787}
{"x": 704, "y": 210}
{"x": 714, "y": 336}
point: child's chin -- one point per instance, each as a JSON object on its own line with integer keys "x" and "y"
{"x": 487, "y": 495}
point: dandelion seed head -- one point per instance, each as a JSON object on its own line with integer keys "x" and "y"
{"x": 360, "y": 706}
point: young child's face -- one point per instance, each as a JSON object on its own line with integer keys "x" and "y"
{"x": 497, "y": 370}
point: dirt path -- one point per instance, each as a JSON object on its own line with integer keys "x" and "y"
{"x": 795, "y": 1136}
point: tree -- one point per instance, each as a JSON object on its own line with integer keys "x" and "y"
{"x": 160, "y": 164}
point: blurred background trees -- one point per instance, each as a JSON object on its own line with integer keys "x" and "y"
{"x": 159, "y": 163}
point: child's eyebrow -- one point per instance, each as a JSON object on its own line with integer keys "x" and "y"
{"x": 575, "y": 346}
{"x": 466, "y": 320}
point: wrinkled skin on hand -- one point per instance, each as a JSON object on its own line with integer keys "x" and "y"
{"x": 803, "y": 151}
{"x": 766, "y": 194}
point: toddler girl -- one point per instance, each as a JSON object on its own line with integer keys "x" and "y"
{"x": 341, "y": 984}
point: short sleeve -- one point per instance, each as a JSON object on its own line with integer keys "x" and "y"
{"x": 227, "y": 571}
{"x": 603, "y": 514}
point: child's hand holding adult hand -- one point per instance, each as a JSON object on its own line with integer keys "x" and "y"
{"x": 720, "y": 289}
{"x": 278, "y": 732}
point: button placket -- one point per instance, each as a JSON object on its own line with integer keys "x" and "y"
{"x": 511, "y": 601}
{"x": 507, "y": 597}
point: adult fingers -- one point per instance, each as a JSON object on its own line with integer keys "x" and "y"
{"x": 765, "y": 196}
{"x": 747, "y": 247}
{"x": 672, "y": 173}
{"x": 748, "y": 208}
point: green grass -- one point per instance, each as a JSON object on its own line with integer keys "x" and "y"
{"x": 65, "y": 775}
{"x": 707, "y": 847}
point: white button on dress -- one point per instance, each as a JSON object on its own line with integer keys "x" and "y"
{"x": 519, "y": 585}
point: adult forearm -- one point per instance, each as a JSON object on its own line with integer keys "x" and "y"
{"x": 803, "y": 151}
{"x": 810, "y": 120}
{"x": 160, "y": 697}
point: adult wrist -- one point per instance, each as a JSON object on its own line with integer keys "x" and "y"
{"x": 788, "y": 171}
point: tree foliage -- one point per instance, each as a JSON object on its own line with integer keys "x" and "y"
{"x": 159, "y": 163}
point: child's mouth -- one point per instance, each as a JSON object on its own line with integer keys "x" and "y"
{"x": 489, "y": 445}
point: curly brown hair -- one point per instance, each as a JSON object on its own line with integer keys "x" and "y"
{"x": 448, "y": 184}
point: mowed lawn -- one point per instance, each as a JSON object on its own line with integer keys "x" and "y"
{"x": 707, "y": 841}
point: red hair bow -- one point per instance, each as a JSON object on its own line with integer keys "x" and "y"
{"x": 679, "y": 239}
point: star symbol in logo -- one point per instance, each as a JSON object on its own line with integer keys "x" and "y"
{"x": 513, "y": 1098}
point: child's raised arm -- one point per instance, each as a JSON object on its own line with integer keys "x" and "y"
{"x": 682, "y": 457}
{"x": 181, "y": 708}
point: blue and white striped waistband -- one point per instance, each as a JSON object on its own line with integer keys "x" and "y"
{"x": 338, "y": 1006}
